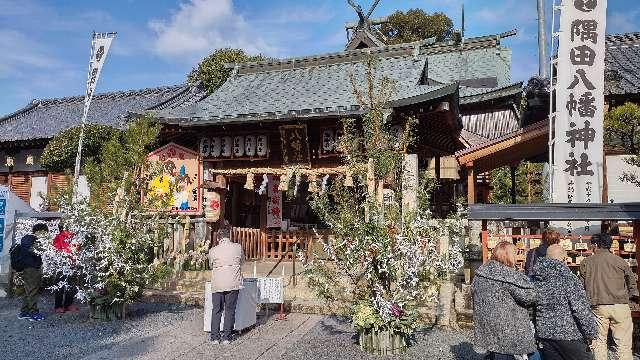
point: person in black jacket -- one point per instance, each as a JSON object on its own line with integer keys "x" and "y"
{"x": 32, "y": 273}
{"x": 549, "y": 237}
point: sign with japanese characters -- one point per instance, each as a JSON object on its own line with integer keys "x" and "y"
{"x": 295, "y": 145}
{"x": 578, "y": 125}
{"x": 270, "y": 291}
{"x": 180, "y": 180}
{"x": 274, "y": 202}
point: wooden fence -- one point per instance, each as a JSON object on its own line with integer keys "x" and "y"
{"x": 187, "y": 237}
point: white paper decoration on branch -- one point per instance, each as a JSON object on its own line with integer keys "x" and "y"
{"x": 250, "y": 145}
{"x": 204, "y": 146}
{"x": 238, "y": 146}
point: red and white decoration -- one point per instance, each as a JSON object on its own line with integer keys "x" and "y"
{"x": 274, "y": 203}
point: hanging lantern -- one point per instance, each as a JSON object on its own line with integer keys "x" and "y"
{"x": 226, "y": 146}
{"x": 250, "y": 145}
{"x": 214, "y": 147}
{"x": 10, "y": 162}
{"x": 249, "y": 183}
{"x": 348, "y": 179}
{"x": 313, "y": 183}
{"x": 238, "y": 146}
{"x": 262, "y": 145}
{"x": 204, "y": 147}
{"x": 328, "y": 140}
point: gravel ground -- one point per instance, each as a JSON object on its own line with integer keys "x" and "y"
{"x": 73, "y": 336}
{"x": 165, "y": 331}
{"x": 334, "y": 338}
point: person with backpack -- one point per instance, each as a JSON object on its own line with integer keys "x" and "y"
{"x": 25, "y": 260}
{"x": 549, "y": 237}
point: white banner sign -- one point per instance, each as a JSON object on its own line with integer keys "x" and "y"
{"x": 577, "y": 152}
{"x": 99, "y": 49}
{"x": 274, "y": 203}
{"x": 100, "y": 44}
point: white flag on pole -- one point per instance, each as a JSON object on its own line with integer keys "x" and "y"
{"x": 100, "y": 44}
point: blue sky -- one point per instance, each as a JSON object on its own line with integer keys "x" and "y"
{"x": 44, "y": 45}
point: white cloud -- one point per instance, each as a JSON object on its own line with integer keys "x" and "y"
{"x": 200, "y": 26}
{"x": 25, "y": 54}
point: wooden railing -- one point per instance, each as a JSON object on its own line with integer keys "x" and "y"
{"x": 192, "y": 239}
{"x": 249, "y": 239}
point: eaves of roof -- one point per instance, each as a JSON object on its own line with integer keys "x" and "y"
{"x": 507, "y": 91}
{"x": 467, "y": 155}
{"x": 428, "y": 95}
{"x": 290, "y": 116}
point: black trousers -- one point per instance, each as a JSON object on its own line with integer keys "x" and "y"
{"x": 564, "y": 350}
{"x": 226, "y": 301}
{"x": 64, "y": 296}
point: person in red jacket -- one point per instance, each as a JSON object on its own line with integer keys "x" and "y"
{"x": 64, "y": 296}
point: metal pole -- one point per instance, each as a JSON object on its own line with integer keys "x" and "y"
{"x": 76, "y": 172}
{"x": 542, "y": 41}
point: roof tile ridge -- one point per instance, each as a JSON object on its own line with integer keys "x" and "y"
{"x": 347, "y": 54}
{"x": 34, "y": 103}
{"x": 110, "y": 93}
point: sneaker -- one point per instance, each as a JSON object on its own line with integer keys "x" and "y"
{"x": 36, "y": 317}
{"x": 226, "y": 342}
{"x": 72, "y": 308}
{"x": 215, "y": 342}
{"x": 24, "y": 316}
{"x": 59, "y": 310}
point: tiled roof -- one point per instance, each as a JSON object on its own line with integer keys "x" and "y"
{"x": 320, "y": 85}
{"x": 44, "y": 119}
{"x": 623, "y": 64}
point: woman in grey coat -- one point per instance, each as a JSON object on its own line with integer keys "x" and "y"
{"x": 501, "y": 296}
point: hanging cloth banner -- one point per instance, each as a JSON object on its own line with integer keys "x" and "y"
{"x": 100, "y": 44}
{"x": 274, "y": 202}
{"x": 578, "y": 126}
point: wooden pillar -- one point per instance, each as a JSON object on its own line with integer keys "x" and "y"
{"x": 605, "y": 180}
{"x": 471, "y": 184}
{"x": 513, "y": 169}
{"x": 636, "y": 236}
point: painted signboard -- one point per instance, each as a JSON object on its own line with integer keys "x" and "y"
{"x": 180, "y": 179}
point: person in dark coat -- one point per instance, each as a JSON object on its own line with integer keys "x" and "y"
{"x": 549, "y": 237}
{"x": 501, "y": 296}
{"x": 31, "y": 274}
{"x": 565, "y": 324}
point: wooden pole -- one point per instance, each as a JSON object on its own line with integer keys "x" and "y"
{"x": 513, "y": 184}
{"x": 471, "y": 184}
